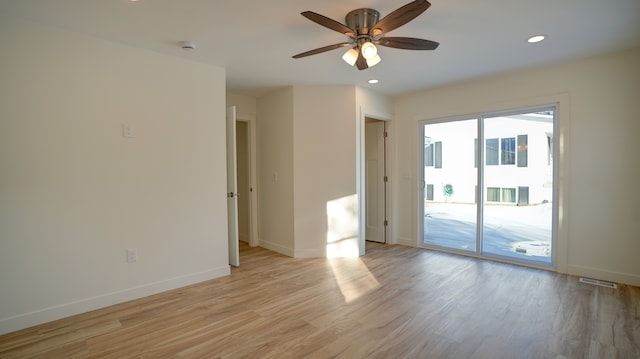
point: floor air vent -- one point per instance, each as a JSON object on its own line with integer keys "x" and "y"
{"x": 598, "y": 282}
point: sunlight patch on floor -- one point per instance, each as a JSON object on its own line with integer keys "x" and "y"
{"x": 353, "y": 278}
{"x": 351, "y": 274}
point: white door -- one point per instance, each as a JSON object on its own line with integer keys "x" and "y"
{"x": 232, "y": 188}
{"x": 375, "y": 181}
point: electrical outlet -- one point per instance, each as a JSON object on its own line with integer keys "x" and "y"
{"x": 132, "y": 255}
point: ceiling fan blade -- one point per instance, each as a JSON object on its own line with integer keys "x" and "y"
{"x": 320, "y": 50}
{"x": 400, "y": 17}
{"x": 361, "y": 62}
{"x": 407, "y": 43}
{"x": 328, "y": 23}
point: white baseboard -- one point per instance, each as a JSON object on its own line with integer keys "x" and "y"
{"x": 406, "y": 242}
{"x": 602, "y": 274}
{"x": 21, "y": 321}
{"x": 310, "y": 253}
{"x": 276, "y": 248}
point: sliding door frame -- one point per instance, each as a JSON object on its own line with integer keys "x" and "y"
{"x": 559, "y": 193}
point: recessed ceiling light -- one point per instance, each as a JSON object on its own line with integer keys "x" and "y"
{"x": 374, "y": 81}
{"x": 534, "y": 39}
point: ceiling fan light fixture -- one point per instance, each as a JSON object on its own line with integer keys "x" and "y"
{"x": 369, "y": 50}
{"x": 351, "y": 56}
{"x": 373, "y": 61}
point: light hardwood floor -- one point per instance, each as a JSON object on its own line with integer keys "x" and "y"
{"x": 395, "y": 302}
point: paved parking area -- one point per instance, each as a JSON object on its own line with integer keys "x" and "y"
{"x": 512, "y": 231}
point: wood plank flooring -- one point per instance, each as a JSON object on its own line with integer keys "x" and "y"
{"x": 395, "y": 302}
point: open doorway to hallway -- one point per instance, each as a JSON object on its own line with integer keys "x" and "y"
{"x": 244, "y": 188}
{"x": 375, "y": 180}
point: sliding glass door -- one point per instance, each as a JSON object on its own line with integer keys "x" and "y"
{"x": 488, "y": 185}
{"x": 518, "y": 186}
{"x": 450, "y": 218}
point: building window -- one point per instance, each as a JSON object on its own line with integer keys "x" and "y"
{"x": 503, "y": 151}
{"x": 523, "y": 196}
{"x": 523, "y": 148}
{"x": 492, "y": 152}
{"x": 508, "y": 195}
{"x": 505, "y": 195}
{"x": 549, "y": 149}
{"x": 428, "y": 155}
{"x": 429, "y": 192}
{"x": 475, "y": 153}
{"x": 493, "y": 194}
{"x": 508, "y": 147}
{"x": 433, "y": 155}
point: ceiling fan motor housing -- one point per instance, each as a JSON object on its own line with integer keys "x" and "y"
{"x": 362, "y": 20}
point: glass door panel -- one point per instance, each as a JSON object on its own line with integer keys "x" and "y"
{"x": 450, "y": 182}
{"x": 518, "y": 186}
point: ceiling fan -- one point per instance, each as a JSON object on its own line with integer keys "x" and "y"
{"x": 365, "y": 31}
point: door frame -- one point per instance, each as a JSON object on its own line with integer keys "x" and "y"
{"x": 561, "y": 193}
{"x": 385, "y": 190}
{"x": 232, "y": 187}
{"x": 361, "y": 177}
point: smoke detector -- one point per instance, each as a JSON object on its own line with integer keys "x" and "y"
{"x": 187, "y": 45}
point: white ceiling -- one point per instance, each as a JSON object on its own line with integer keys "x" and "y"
{"x": 254, "y": 40}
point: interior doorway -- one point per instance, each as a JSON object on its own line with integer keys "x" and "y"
{"x": 375, "y": 180}
{"x": 246, "y": 178}
{"x": 242, "y": 206}
{"x": 242, "y": 153}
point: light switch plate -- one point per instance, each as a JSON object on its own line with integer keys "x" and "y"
{"x": 128, "y": 130}
{"x": 132, "y": 255}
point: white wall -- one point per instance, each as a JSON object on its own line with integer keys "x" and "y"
{"x": 274, "y": 122}
{"x": 600, "y": 175}
{"x": 75, "y": 194}
{"x": 245, "y": 105}
{"x": 324, "y": 160}
{"x": 307, "y": 164}
{"x": 374, "y": 105}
